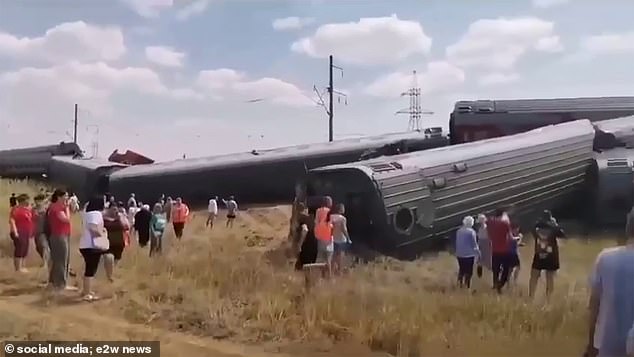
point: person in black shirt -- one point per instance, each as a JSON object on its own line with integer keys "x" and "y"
{"x": 546, "y": 257}
{"x": 13, "y": 201}
{"x": 142, "y": 224}
{"x": 306, "y": 242}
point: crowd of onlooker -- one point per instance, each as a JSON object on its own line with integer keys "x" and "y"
{"x": 108, "y": 227}
{"x": 322, "y": 239}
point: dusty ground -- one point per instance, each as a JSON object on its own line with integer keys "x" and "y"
{"x": 233, "y": 293}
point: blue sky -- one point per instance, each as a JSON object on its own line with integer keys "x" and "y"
{"x": 168, "y": 77}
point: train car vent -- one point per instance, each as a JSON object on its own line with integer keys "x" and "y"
{"x": 382, "y": 167}
{"x": 460, "y": 167}
{"x": 465, "y": 109}
{"x": 439, "y": 182}
{"x": 617, "y": 162}
{"x": 485, "y": 110}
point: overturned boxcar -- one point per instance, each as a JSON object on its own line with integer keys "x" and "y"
{"x": 403, "y": 205}
{"x": 257, "y": 176}
{"x": 84, "y": 177}
{"x": 33, "y": 162}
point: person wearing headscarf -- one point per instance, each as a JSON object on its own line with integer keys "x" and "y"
{"x": 467, "y": 251}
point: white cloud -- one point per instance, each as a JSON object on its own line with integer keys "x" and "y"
{"x": 70, "y": 41}
{"x": 500, "y": 43}
{"x": 370, "y": 41}
{"x": 148, "y": 8}
{"x": 224, "y": 82}
{"x": 544, "y": 4}
{"x": 164, "y": 56}
{"x": 492, "y": 79}
{"x": 292, "y": 23}
{"x": 195, "y": 8}
{"x": 438, "y": 77}
{"x": 610, "y": 43}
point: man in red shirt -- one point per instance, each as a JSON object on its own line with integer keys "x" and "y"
{"x": 499, "y": 231}
{"x": 21, "y": 231}
{"x": 59, "y": 223}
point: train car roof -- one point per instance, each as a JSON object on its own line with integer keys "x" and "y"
{"x": 278, "y": 154}
{"x": 71, "y": 148}
{"x": 465, "y": 152}
{"x": 544, "y": 105}
{"x": 619, "y": 126}
{"x": 92, "y": 164}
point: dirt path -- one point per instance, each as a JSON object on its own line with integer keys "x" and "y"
{"x": 72, "y": 320}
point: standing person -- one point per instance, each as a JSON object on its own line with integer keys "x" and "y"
{"x": 127, "y": 227}
{"x": 484, "y": 243}
{"x": 89, "y": 248}
{"x": 59, "y": 241}
{"x": 142, "y": 224}
{"x": 611, "y": 322}
{"x": 306, "y": 243}
{"x": 115, "y": 226}
{"x": 39, "y": 230}
{"x": 73, "y": 203}
{"x": 13, "y": 201}
{"x": 340, "y": 236}
{"x": 132, "y": 211}
{"x": 323, "y": 233}
{"x": 167, "y": 208}
{"x": 180, "y": 213}
{"x": 546, "y": 257}
{"x": 499, "y": 231}
{"x": 21, "y": 231}
{"x": 212, "y": 210}
{"x": 467, "y": 251}
{"x": 132, "y": 200}
{"x": 514, "y": 262}
{"x": 232, "y": 210}
{"x": 157, "y": 224}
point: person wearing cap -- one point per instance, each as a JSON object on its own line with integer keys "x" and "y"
{"x": 546, "y": 256}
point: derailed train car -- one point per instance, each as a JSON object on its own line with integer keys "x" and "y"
{"x": 84, "y": 177}
{"x": 258, "y": 176}
{"x": 485, "y": 119}
{"x": 33, "y": 162}
{"x": 611, "y": 179}
{"x": 398, "y": 205}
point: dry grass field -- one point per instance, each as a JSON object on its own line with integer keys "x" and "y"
{"x": 234, "y": 293}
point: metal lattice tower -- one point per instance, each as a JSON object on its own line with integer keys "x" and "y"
{"x": 415, "y": 110}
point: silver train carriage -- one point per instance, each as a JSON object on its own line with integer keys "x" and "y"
{"x": 398, "y": 205}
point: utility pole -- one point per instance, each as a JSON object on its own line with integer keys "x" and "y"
{"x": 331, "y": 92}
{"x": 75, "y": 126}
{"x": 415, "y": 111}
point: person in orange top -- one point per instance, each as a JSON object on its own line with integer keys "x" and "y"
{"x": 323, "y": 233}
{"x": 21, "y": 231}
{"x": 180, "y": 213}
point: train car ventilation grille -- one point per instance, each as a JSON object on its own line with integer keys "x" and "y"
{"x": 617, "y": 162}
{"x": 383, "y": 167}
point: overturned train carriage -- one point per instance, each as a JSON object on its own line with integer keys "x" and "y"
{"x": 257, "y": 176}
{"x": 33, "y": 162}
{"x": 611, "y": 179}
{"x": 84, "y": 177}
{"x": 398, "y": 205}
